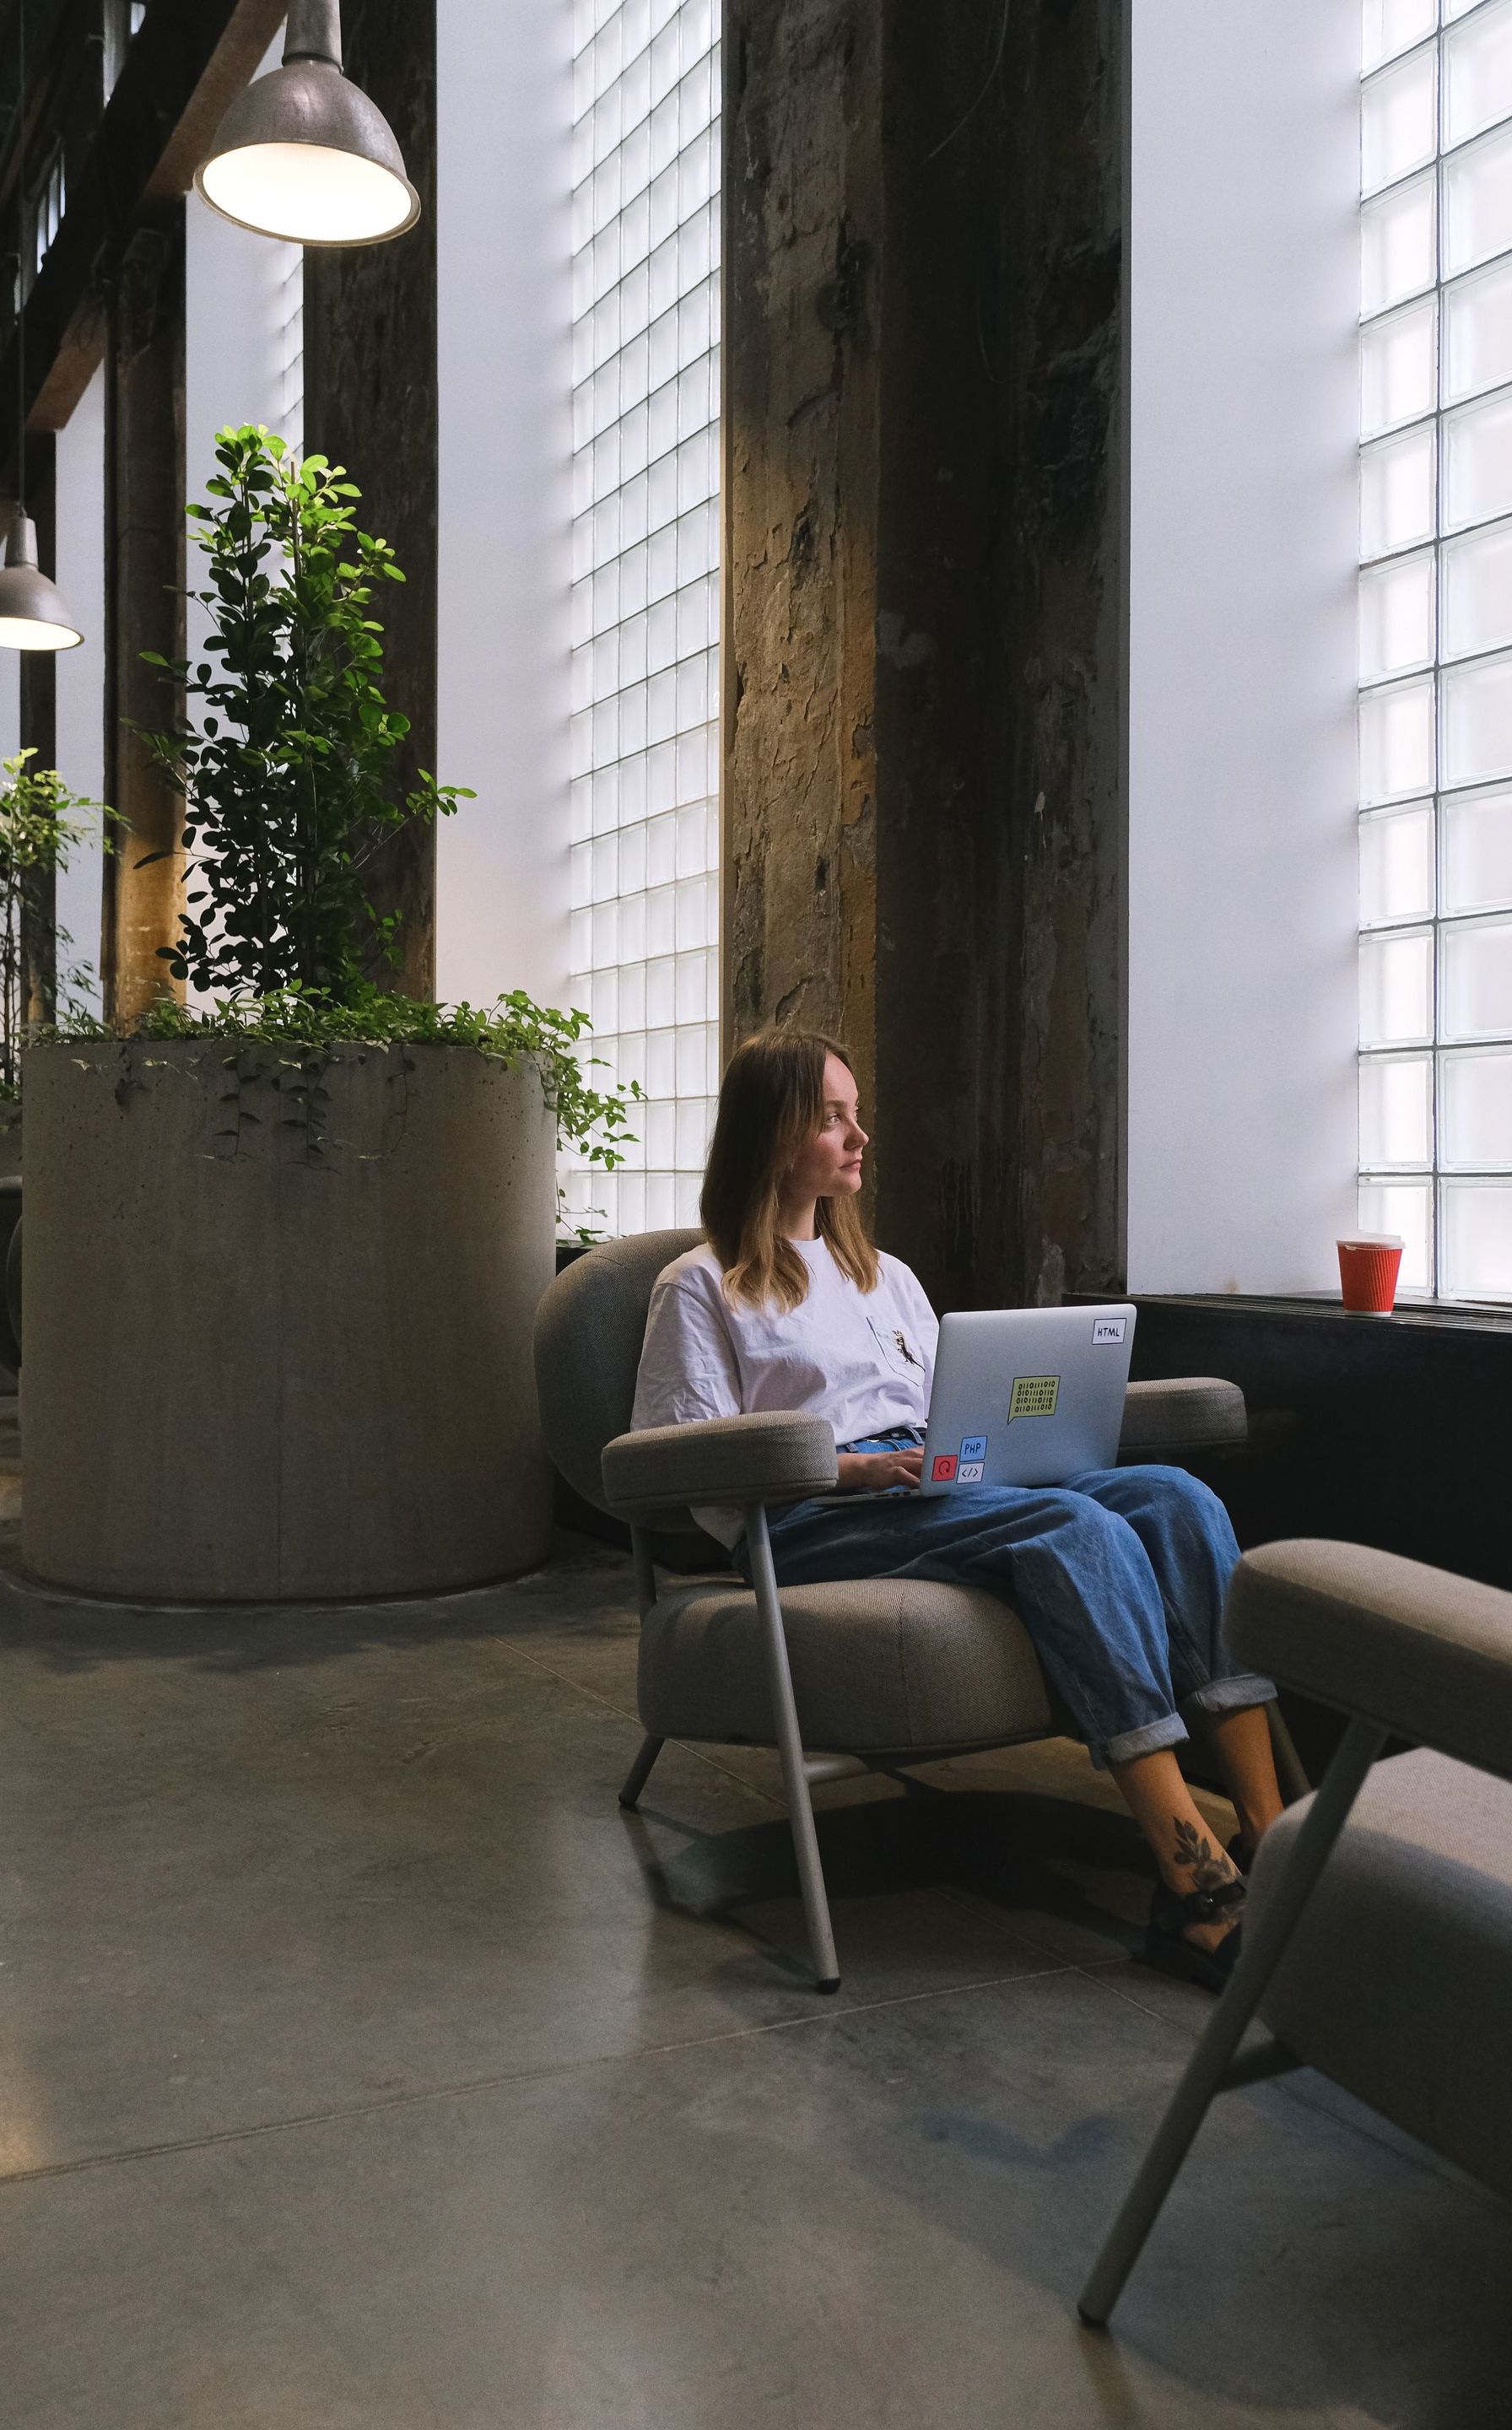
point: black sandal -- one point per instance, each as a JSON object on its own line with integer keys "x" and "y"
{"x": 1165, "y": 1944}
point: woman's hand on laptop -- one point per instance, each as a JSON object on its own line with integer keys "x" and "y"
{"x": 875, "y": 1471}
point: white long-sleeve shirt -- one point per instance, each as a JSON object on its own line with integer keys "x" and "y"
{"x": 862, "y": 1361}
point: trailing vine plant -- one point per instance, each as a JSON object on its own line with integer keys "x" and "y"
{"x": 305, "y": 1027}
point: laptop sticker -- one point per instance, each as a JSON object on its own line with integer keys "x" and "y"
{"x": 973, "y": 1447}
{"x": 968, "y": 1473}
{"x": 1034, "y": 1396}
{"x": 943, "y": 1470}
{"x": 1108, "y": 1328}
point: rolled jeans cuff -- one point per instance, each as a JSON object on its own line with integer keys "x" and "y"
{"x": 1128, "y": 1744}
{"x": 1232, "y": 1695}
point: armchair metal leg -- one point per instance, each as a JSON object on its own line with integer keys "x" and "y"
{"x": 1209, "y": 2070}
{"x": 645, "y": 1570}
{"x": 645, "y": 1595}
{"x": 791, "y": 1747}
{"x": 639, "y": 1772}
{"x": 1292, "y": 1778}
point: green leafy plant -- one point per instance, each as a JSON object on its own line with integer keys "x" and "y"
{"x": 289, "y": 775}
{"x": 39, "y": 829}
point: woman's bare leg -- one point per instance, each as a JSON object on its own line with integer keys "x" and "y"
{"x": 1190, "y": 1858}
{"x": 1242, "y": 1743}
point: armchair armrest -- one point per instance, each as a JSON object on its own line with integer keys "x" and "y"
{"x": 1425, "y": 1655}
{"x": 774, "y": 1457}
{"x": 1185, "y": 1413}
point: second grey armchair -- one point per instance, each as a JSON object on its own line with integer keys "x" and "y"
{"x": 865, "y": 1673}
{"x": 1380, "y": 1953}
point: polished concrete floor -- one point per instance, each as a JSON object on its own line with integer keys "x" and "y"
{"x": 365, "y": 2068}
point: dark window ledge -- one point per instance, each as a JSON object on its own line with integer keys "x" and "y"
{"x": 1390, "y": 1430}
{"x": 1321, "y": 1309}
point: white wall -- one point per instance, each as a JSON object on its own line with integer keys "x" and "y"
{"x": 1242, "y": 889}
{"x": 505, "y": 113}
{"x": 80, "y": 577}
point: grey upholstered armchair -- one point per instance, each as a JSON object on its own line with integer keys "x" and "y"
{"x": 1380, "y": 1954}
{"x": 872, "y": 1674}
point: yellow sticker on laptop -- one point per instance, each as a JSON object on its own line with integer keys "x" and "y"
{"x": 1034, "y": 1396}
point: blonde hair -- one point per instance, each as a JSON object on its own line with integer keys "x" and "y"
{"x": 771, "y": 1103}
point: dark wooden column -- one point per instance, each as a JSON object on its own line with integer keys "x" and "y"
{"x": 923, "y": 786}
{"x": 802, "y": 368}
{"x": 144, "y": 572}
{"x": 39, "y": 733}
{"x": 370, "y": 404}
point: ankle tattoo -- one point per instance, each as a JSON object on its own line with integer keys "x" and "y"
{"x": 1195, "y": 1854}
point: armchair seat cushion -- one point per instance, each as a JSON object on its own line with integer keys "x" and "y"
{"x": 1398, "y": 1980}
{"x": 879, "y": 1666}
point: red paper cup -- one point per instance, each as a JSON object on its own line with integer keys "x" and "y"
{"x": 1368, "y": 1267}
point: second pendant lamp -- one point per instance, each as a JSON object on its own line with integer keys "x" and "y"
{"x": 302, "y": 153}
{"x": 32, "y": 614}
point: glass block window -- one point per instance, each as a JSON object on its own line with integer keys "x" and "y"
{"x": 47, "y": 211}
{"x": 1436, "y": 641}
{"x": 123, "y": 20}
{"x": 644, "y": 952}
{"x": 290, "y": 315}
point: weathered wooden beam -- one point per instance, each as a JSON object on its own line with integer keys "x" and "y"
{"x": 180, "y": 73}
{"x": 803, "y": 209}
{"x": 923, "y": 795}
{"x": 370, "y": 403}
{"x": 145, "y": 573}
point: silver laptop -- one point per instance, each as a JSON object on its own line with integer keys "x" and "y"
{"x": 1026, "y": 1395}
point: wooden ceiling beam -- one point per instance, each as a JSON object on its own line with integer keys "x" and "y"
{"x": 183, "y": 69}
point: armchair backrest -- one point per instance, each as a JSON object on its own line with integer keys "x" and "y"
{"x": 588, "y": 1331}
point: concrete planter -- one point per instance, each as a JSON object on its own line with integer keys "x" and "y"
{"x": 277, "y": 1320}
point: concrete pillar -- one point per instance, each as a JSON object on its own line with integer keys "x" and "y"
{"x": 370, "y": 404}
{"x": 145, "y": 607}
{"x": 924, "y": 659}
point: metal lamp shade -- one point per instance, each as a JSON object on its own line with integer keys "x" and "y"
{"x": 304, "y": 154}
{"x": 32, "y": 613}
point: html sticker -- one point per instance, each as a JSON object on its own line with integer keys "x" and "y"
{"x": 942, "y": 1468}
{"x": 973, "y": 1447}
{"x": 1034, "y": 1396}
{"x": 1109, "y": 1329}
{"x": 968, "y": 1473}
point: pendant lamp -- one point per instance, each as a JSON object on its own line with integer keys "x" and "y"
{"x": 302, "y": 155}
{"x": 32, "y": 614}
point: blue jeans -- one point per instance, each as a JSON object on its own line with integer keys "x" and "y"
{"x": 1118, "y": 1576}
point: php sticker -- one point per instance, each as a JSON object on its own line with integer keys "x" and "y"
{"x": 1109, "y": 1329}
{"x": 943, "y": 1470}
{"x": 973, "y": 1447}
{"x": 1034, "y": 1396}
